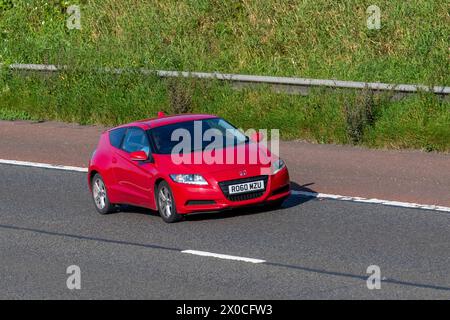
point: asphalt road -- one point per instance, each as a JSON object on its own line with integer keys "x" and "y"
{"x": 406, "y": 175}
{"x": 314, "y": 248}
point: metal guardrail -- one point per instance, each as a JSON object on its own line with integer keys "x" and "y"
{"x": 287, "y": 84}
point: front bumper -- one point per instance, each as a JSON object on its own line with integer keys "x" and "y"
{"x": 191, "y": 199}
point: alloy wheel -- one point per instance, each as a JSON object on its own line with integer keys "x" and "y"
{"x": 99, "y": 192}
{"x": 165, "y": 202}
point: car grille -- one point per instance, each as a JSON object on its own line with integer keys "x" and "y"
{"x": 243, "y": 196}
{"x": 199, "y": 202}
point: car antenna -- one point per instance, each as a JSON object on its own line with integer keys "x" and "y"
{"x": 161, "y": 114}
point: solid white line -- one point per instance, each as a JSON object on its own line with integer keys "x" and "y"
{"x": 375, "y": 201}
{"x": 295, "y": 192}
{"x": 223, "y": 256}
{"x": 42, "y": 165}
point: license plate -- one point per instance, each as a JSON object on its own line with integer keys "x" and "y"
{"x": 246, "y": 187}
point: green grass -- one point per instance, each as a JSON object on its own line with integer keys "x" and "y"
{"x": 317, "y": 39}
{"x": 11, "y": 115}
{"x": 419, "y": 121}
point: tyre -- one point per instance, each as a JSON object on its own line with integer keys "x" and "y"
{"x": 100, "y": 195}
{"x": 166, "y": 204}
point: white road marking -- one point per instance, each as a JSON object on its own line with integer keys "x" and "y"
{"x": 42, "y": 165}
{"x": 375, "y": 201}
{"x": 295, "y": 192}
{"x": 223, "y": 256}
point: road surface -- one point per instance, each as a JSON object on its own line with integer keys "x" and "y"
{"x": 313, "y": 249}
{"x": 408, "y": 176}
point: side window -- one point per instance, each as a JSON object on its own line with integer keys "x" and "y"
{"x": 136, "y": 140}
{"x": 116, "y": 137}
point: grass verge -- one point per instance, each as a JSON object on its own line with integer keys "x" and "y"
{"x": 315, "y": 39}
{"x": 419, "y": 121}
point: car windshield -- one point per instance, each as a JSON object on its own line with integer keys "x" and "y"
{"x": 198, "y": 134}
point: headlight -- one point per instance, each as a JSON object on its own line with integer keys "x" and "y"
{"x": 277, "y": 166}
{"x": 189, "y": 179}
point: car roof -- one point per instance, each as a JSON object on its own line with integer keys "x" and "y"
{"x": 165, "y": 120}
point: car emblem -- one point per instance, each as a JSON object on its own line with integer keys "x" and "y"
{"x": 243, "y": 173}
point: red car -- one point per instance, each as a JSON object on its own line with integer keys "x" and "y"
{"x": 142, "y": 164}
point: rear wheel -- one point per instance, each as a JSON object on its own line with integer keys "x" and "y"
{"x": 166, "y": 203}
{"x": 100, "y": 196}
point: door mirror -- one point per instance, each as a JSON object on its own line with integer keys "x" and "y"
{"x": 257, "y": 137}
{"x": 138, "y": 156}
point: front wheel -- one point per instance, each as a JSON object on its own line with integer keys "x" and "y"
{"x": 166, "y": 204}
{"x": 100, "y": 196}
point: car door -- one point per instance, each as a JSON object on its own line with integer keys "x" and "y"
{"x": 134, "y": 178}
